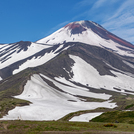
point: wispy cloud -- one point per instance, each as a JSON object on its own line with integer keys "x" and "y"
{"x": 83, "y": 3}
{"x": 126, "y": 6}
{"x": 98, "y": 4}
{"x": 117, "y": 16}
{"x": 121, "y": 23}
{"x": 96, "y": 10}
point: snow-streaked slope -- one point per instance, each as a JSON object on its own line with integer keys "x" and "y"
{"x": 85, "y": 117}
{"x": 3, "y": 46}
{"x": 85, "y": 74}
{"x": 85, "y": 34}
{"x": 76, "y": 90}
{"x": 12, "y": 53}
{"x": 40, "y": 60}
{"x": 34, "y": 62}
{"x": 17, "y": 57}
{"x": 129, "y": 64}
{"x": 49, "y": 103}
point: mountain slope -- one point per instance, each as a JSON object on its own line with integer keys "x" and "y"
{"x": 49, "y": 103}
{"x": 76, "y": 79}
{"x": 81, "y": 59}
{"x": 21, "y": 55}
{"x": 18, "y": 56}
{"x": 90, "y": 33}
{"x": 84, "y": 67}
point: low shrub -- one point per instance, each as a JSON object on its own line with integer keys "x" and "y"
{"x": 109, "y": 125}
{"x": 129, "y": 106}
{"x": 131, "y": 122}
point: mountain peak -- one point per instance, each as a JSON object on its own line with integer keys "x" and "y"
{"x": 91, "y": 33}
{"x": 78, "y": 27}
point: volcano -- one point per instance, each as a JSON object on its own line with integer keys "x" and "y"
{"x": 90, "y": 33}
{"x": 81, "y": 66}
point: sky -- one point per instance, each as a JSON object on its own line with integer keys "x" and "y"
{"x": 31, "y": 20}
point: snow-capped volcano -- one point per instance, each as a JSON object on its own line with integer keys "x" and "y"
{"x": 90, "y": 33}
{"x": 16, "y": 57}
{"x": 81, "y": 66}
{"x": 80, "y": 31}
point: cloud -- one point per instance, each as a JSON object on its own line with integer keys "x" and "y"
{"x": 126, "y": 6}
{"x": 93, "y": 3}
{"x": 96, "y": 10}
{"x": 125, "y": 33}
{"x": 123, "y": 20}
{"x": 83, "y": 3}
{"x": 121, "y": 23}
{"x": 98, "y": 4}
{"x": 117, "y": 16}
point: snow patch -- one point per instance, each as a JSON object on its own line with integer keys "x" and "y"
{"x": 76, "y": 90}
{"x": 49, "y": 103}
{"x": 34, "y": 62}
{"x": 129, "y": 64}
{"x": 85, "y": 117}
{"x": 14, "y": 57}
{"x": 85, "y": 74}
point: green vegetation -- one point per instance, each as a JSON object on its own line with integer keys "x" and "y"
{"x": 124, "y": 102}
{"x": 129, "y": 106}
{"x": 70, "y": 115}
{"x": 110, "y": 125}
{"x": 7, "y": 104}
{"x": 34, "y": 127}
{"x": 11, "y": 87}
{"x": 116, "y": 117}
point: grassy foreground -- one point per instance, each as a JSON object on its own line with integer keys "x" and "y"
{"x": 39, "y": 127}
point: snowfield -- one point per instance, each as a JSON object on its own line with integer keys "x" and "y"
{"x": 49, "y": 103}
{"x": 85, "y": 74}
{"x": 85, "y": 117}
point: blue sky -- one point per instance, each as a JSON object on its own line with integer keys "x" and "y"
{"x": 31, "y": 20}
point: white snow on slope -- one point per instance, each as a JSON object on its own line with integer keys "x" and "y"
{"x": 49, "y": 103}
{"x": 14, "y": 57}
{"x": 34, "y": 62}
{"x": 129, "y": 64}
{"x": 3, "y": 46}
{"x": 40, "y": 60}
{"x": 85, "y": 117}
{"x": 85, "y": 74}
{"x": 76, "y": 90}
{"x": 0, "y": 78}
{"x": 64, "y": 34}
{"x": 88, "y": 37}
